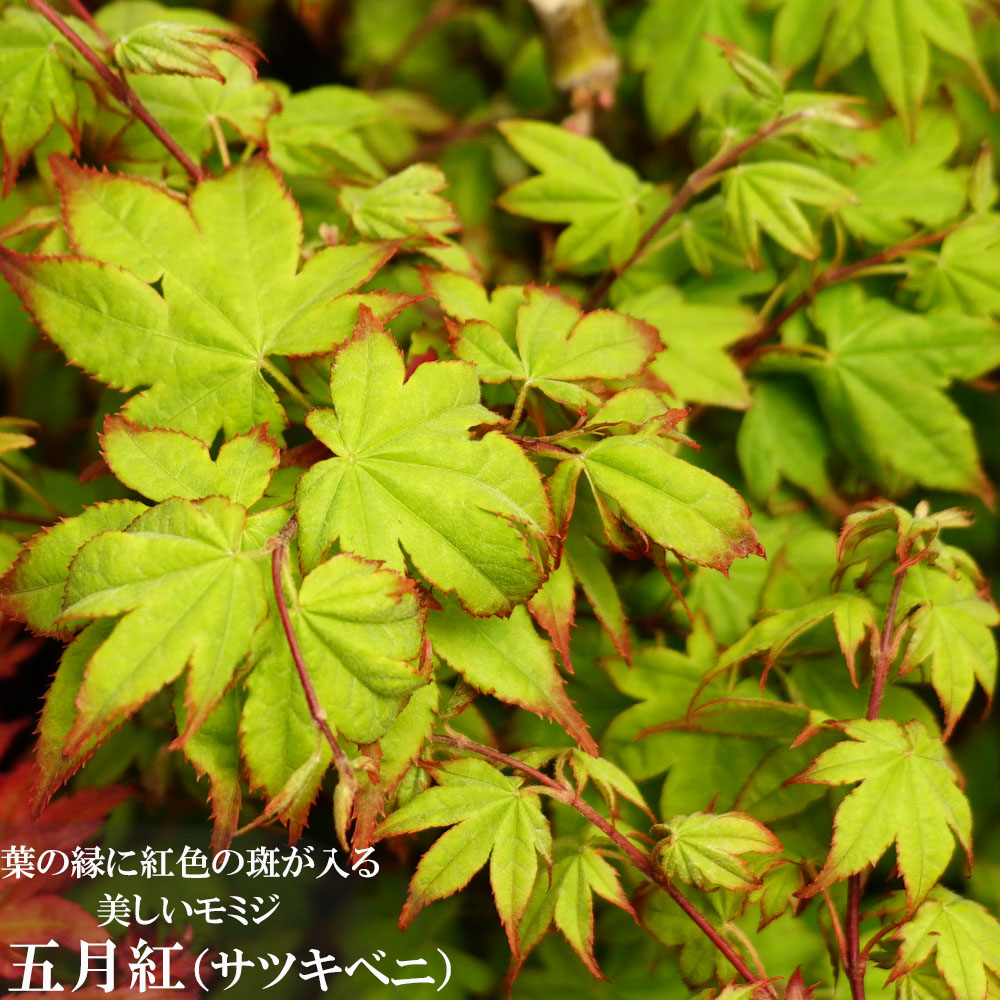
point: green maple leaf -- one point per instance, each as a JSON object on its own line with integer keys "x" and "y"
{"x": 965, "y": 275}
{"x": 162, "y": 464}
{"x": 879, "y": 382}
{"x": 853, "y": 616}
{"x": 579, "y": 184}
{"x": 492, "y": 818}
{"x": 900, "y": 182}
{"x": 558, "y": 347}
{"x": 896, "y": 34}
{"x": 644, "y": 492}
{"x": 706, "y": 850}
{"x": 566, "y": 898}
{"x": 963, "y": 937}
{"x": 695, "y": 364}
{"x": 783, "y": 437}
{"x": 33, "y": 590}
{"x": 406, "y": 476}
{"x": 404, "y": 205}
{"x": 160, "y": 47}
{"x": 951, "y": 631}
{"x": 233, "y": 294}
{"x": 684, "y": 71}
{"x": 315, "y": 134}
{"x": 189, "y": 595}
{"x": 507, "y": 658}
{"x": 908, "y": 795}
{"x": 37, "y": 86}
{"x": 766, "y": 195}
{"x": 359, "y": 627}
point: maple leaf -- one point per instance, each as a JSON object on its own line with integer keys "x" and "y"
{"x": 557, "y": 347}
{"x": 579, "y": 184}
{"x": 896, "y": 34}
{"x": 879, "y": 382}
{"x": 163, "y": 47}
{"x": 406, "y": 476}
{"x": 37, "y": 86}
{"x": 908, "y": 795}
{"x": 765, "y": 195}
{"x": 507, "y": 658}
{"x": 492, "y": 818}
{"x": 401, "y": 206}
{"x": 951, "y": 631}
{"x": 359, "y": 629}
{"x": 232, "y": 293}
{"x": 706, "y": 849}
{"x": 190, "y": 596}
{"x": 963, "y": 937}
{"x": 566, "y": 898}
{"x": 644, "y": 492}
{"x": 695, "y": 364}
{"x": 161, "y": 464}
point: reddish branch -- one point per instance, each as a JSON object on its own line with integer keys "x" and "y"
{"x": 278, "y": 555}
{"x": 640, "y": 861}
{"x": 120, "y": 90}
{"x": 888, "y": 645}
{"x": 84, "y": 14}
{"x": 745, "y": 349}
{"x": 694, "y": 185}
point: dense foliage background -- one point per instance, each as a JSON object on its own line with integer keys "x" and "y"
{"x": 573, "y": 425}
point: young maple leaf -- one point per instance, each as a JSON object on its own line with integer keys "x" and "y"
{"x": 558, "y": 347}
{"x": 492, "y": 818}
{"x": 706, "y": 850}
{"x": 182, "y": 49}
{"x": 233, "y": 293}
{"x": 908, "y": 795}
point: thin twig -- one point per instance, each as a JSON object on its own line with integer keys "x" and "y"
{"x": 745, "y": 349}
{"x": 84, "y": 14}
{"x": 438, "y": 14}
{"x": 694, "y": 185}
{"x": 640, "y": 861}
{"x": 855, "y": 965}
{"x": 121, "y": 91}
{"x": 278, "y": 555}
{"x": 22, "y": 484}
{"x": 15, "y": 515}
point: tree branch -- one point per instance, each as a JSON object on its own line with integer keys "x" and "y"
{"x": 693, "y": 186}
{"x": 568, "y": 796}
{"x": 745, "y": 349}
{"x": 120, "y": 90}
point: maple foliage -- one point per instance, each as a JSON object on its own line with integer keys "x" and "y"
{"x": 559, "y": 491}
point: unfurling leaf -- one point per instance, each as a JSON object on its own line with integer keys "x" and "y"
{"x": 706, "y": 850}
{"x": 165, "y": 47}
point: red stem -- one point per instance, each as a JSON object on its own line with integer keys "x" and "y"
{"x": 695, "y": 183}
{"x": 856, "y": 959}
{"x": 316, "y": 710}
{"x": 119, "y": 89}
{"x": 639, "y": 860}
{"x": 14, "y": 515}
